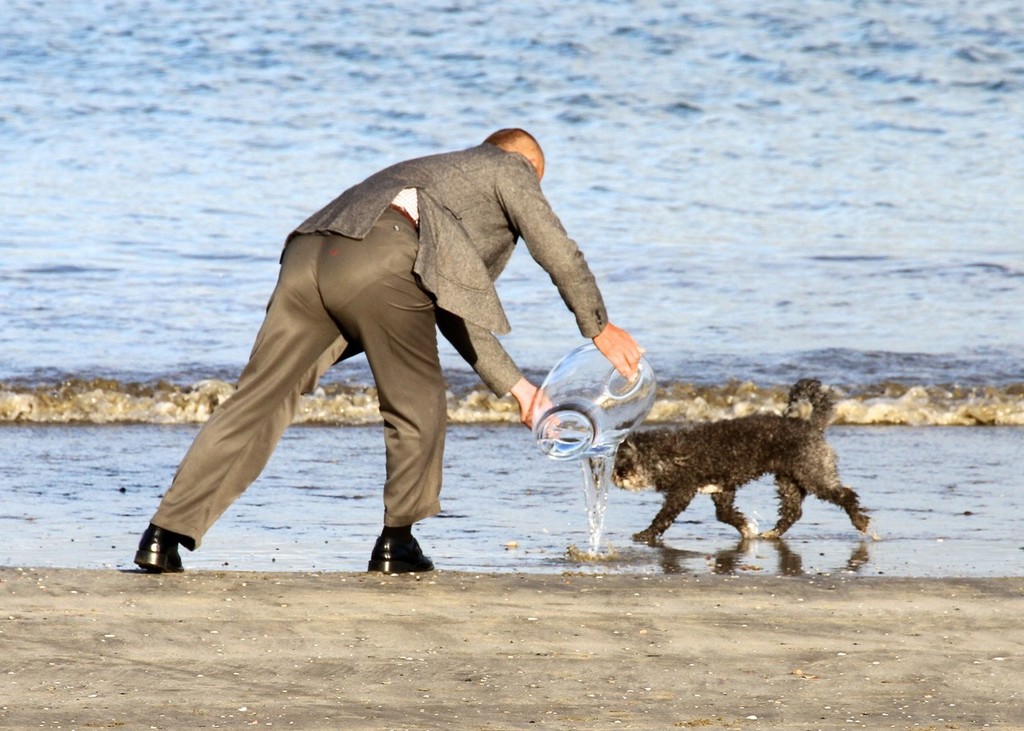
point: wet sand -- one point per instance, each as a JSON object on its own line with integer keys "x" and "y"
{"x": 212, "y": 649}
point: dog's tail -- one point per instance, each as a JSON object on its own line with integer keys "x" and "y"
{"x": 810, "y": 400}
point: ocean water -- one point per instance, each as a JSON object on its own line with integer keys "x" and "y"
{"x": 764, "y": 191}
{"x": 80, "y": 495}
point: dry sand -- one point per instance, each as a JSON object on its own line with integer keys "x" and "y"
{"x": 88, "y": 649}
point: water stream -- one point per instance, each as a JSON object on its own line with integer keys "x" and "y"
{"x": 597, "y": 476}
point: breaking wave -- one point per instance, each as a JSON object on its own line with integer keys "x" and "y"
{"x": 104, "y": 401}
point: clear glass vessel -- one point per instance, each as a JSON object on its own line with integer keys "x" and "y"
{"x": 586, "y": 408}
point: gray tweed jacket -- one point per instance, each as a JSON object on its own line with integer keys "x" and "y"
{"x": 474, "y": 205}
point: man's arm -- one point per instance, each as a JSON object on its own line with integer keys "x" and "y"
{"x": 562, "y": 259}
{"x": 482, "y": 350}
{"x": 532, "y": 218}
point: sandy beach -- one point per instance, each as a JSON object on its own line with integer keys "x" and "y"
{"x": 211, "y": 649}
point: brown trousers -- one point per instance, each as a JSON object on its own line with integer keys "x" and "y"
{"x": 335, "y": 297}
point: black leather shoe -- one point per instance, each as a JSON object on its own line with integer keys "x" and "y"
{"x": 158, "y": 551}
{"x": 398, "y": 557}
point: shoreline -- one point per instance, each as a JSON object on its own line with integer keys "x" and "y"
{"x": 225, "y": 649}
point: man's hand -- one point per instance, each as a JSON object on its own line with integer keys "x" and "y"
{"x": 525, "y": 393}
{"x": 619, "y": 347}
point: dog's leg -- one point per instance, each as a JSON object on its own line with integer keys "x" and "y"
{"x": 829, "y": 488}
{"x": 791, "y": 499}
{"x": 725, "y": 511}
{"x": 847, "y": 499}
{"x": 676, "y": 501}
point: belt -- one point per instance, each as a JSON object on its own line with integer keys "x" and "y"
{"x": 404, "y": 214}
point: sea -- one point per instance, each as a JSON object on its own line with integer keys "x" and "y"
{"x": 765, "y": 191}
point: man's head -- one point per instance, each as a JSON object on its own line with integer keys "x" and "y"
{"x": 519, "y": 140}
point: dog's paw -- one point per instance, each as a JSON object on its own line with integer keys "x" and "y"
{"x": 865, "y": 529}
{"x": 646, "y": 536}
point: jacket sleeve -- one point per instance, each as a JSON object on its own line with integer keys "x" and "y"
{"x": 533, "y": 219}
{"x": 482, "y": 350}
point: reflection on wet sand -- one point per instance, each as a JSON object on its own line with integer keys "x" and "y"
{"x": 747, "y": 555}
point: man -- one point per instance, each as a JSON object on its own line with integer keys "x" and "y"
{"x": 412, "y": 249}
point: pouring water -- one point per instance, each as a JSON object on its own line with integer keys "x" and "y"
{"x": 584, "y": 411}
{"x": 597, "y": 475}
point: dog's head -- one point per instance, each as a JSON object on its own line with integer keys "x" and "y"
{"x": 631, "y": 470}
{"x": 809, "y": 399}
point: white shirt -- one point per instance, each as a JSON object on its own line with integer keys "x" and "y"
{"x": 408, "y": 202}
